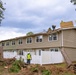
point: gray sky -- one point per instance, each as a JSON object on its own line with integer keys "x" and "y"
{"x": 22, "y": 16}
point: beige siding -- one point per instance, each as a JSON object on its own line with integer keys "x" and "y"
{"x": 69, "y": 38}
{"x": 44, "y": 44}
{"x": 71, "y": 52}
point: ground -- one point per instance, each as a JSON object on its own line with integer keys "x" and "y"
{"x": 54, "y": 69}
{"x": 37, "y": 70}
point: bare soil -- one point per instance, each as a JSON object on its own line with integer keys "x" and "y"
{"x": 55, "y": 69}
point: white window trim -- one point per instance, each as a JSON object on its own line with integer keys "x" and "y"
{"x": 19, "y": 53}
{"x": 54, "y": 49}
{"x": 31, "y": 42}
{"x": 36, "y": 37}
{"x": 21, "y": 40}
{"x": 8, "y": 43}
{"x": 3, "y": 44}
{"x": 13, "y": 41}
{"x": 53, "y": 40}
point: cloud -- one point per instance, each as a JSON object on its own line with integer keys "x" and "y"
{"x": 36, "y": 15}
{"x": 22, "y": 9}
{"x": 7, "y": 33}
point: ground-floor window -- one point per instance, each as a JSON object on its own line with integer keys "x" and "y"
{"x": 33, "y": 52}
{"x": 20, "y": 52}
{"x": 39, "y": 52}
{"x": 54, "y": 49}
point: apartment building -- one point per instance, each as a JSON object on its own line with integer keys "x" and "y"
{"x": 45, "y": 48}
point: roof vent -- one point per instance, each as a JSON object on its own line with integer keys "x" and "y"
{"x": 53, "y": 27}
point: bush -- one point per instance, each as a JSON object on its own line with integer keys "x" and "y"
{"x": 16, "y": 67}
{"x": 35, "y": 69}
{"x": 46, "y": 72}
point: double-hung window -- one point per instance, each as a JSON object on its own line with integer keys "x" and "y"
{"x": 53, "y": 37}
{"x": 39, "y": 38}
{"x": 3, "y": 44}
{"x": 13, "y": 42}
{"x": 54, "y": 50}
{"x": 20, "y": 52}
{"x": 29, "y": 40}
{"x": 7, "y": 43}
{"x": 20, "y": 41}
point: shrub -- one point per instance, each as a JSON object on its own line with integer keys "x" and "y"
{"x": 15, "y": 66}
{"x": 46, "y": 72}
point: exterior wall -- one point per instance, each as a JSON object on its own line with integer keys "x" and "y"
{"x": 69, "y": 38}
{"x": 36, "y": 58}
{"x": 49, "y": 57}
{"x": 9, "y": 54}
{"x": 45, "y": 57}
{"x": 35, "y": 45}
{"x": 71, "y": 53}
{"x": 1, "y": 52}
{"x": 66, "y": 39}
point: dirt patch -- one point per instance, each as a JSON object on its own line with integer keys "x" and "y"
{"x": 58, "y": 69}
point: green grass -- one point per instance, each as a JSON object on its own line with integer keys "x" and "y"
{"x": 69, "y": 74}
{"x": 63, "y": 65}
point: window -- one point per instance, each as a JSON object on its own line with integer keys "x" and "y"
{"x": 39, "y": 38}
{"x": 52, "y": 37}
{"x": 54, "y": 49}
{"x": 20, "y": 41}
{"x": 20, "y": 52}
{"x": 39, "y": 52}
{"x": 3, "y": 44}
{"x": 29, "y": 40}
{"x": 13, "y": 42}
{"x": 7, "y": 43}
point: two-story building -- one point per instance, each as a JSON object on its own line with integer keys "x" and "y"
{"x": 45, "y": 48}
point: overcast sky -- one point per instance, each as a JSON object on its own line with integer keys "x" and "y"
{"x": 22, "y": 16}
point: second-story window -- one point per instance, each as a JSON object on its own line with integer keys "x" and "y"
{"x": 20, "y": 41}
{"x": 7, "y": 43}
{"x": 13, "y": 42}
{"x": 52, "y": 37}
{"x": 29, "y": 40}
{"x": 3, "y": 44}
{"x": 39, "y": 38}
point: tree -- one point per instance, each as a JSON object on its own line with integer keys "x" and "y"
{"x": 73, "y": 1}
{"x": 1, "y": 11}
{"x": 29, "y": 33}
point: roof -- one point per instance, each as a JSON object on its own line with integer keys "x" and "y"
{"x": 45, "y": 33}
